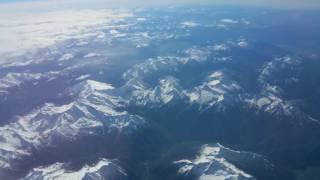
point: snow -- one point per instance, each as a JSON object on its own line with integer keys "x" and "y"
{"x": 95, "y": 85}
{"x": 91, "y": 55}
{"x": 228, "y": 21}
{"x": 219, "y": 176}
{"x": 51, "y": 109}
{"x": 220, "y": 47}
{"x": 271, "y": 104}
{"x": 117, "y": 34}
{"x": 215, "y": 74}
{"x": 141, "y": 19}
{"x": 220, "y": 98}
{"x": 11, "y": 80}
{"x": 211, "y": 164}
{"x": 242, "y": 44}
{"x": 168, "y": 89}
{"x": 193, "y": 96}
{"x": 142, "y": 45}
{"x": 214, "y": 82}
{"x": 85, "y": 115}
{"x": 197, "y": 54}
{"x": 263, "y": 101}
{"x": 57, "y": 171}
{"x": 66, "y": 57}
{"x": 190, "y": 24}
{"x": 83, "y": 77}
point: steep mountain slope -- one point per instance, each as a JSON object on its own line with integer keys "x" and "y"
{"x": 93, "y": 112}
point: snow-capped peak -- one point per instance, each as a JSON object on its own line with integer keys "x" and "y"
{"x": 104, "y": 169}
{"x": 91, "y": 112}
{"x": 217, "y": 162}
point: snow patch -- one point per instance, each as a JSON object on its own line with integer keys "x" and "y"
{"x": 211, "y": 162}
{"x": 190, "y": 24}
{"x": 58, "y": 171}
{"x": 91, "y": 55}
{"x": 228, "y": 21}
{"x": 66, "y": 57}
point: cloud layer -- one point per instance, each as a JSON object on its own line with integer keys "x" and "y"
{"x": 27, "y": 31}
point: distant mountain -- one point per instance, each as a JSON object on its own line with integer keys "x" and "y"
{"x": 175, "y": 93}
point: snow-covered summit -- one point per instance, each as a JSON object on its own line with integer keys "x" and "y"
{"x": 102, "y": 170}
{"x": 93, "y": 111}
{"x": 219, "y": 162}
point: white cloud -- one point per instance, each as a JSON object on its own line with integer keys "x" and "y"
{"x": 31, "y": 30}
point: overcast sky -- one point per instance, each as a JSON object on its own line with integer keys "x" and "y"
{"x": 122, "y": 3}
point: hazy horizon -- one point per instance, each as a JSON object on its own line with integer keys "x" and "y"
{"x": 281, "y": 4}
